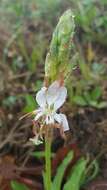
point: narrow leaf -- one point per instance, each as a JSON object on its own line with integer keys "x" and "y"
{"x": 96, "y": 93}
{"x": 18, "y": 186}
{"x": 30, "y": 103}
{"x": 79, "y": 100}
{"x": 56, "y": 185}
{"x": 75, "y": 180}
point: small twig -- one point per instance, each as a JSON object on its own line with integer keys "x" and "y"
{"x": 19, "y": 76}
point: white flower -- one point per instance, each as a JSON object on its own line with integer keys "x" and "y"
{"x": 36, "y": 140}
{"x": 50, "y": 100}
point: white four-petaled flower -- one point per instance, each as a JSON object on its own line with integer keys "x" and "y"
{"x": 50, "y": 100}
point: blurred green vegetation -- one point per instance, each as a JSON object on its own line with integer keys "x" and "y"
{"x": 82, "y": 172}
{"x": 25, "y": 32}
{"x": 26, "y": 29}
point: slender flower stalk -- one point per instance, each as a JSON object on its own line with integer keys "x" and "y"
{"x": 47, "y": 161}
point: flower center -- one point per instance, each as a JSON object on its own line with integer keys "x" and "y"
{"x": 49, "y": 110}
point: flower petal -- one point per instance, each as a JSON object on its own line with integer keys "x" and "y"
{"x": 41, "y": 97}
{"x": 36, "y": 140}
{"x": 52, "y": 92}
{"x": 57, "y": 118}
{"x": 39, "y": 114}
{"x": 60, "y": 98}
{"x": 49, "y": 119}
{"x": 64, "y": 122}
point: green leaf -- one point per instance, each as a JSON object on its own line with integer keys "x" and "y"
{"x": 76, "y": 178}
{"x": 102, "y": 104}
{"x": 85, "y": 70}
{"x": 93, "y": 103}
{"x": 9, "y": 101}
{"x": 98, "y": 68}
{"x": 79, "y": 100}
{"x": 87, "y": 96}
{"x": 18, "y": 186}
{"x": 96, "y": 93}
{"x": 98, "y": 105}
{"x": 94, "y": 166}
{"x": 56, "y": 185}
{"x": 30, "y": 103}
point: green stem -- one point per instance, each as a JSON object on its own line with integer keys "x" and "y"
{"x": 47, "y": 163}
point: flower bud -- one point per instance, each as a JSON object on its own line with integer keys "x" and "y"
{"x": 57, "y": 59}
